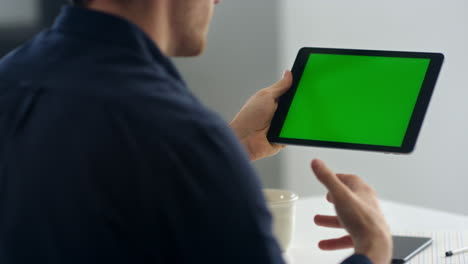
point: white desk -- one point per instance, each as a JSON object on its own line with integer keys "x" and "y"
{"x": 400, "y": 217}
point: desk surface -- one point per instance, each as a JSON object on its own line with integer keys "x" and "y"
{"x": 400, "y": 217}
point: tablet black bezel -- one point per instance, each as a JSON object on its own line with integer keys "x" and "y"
{"x": 436, "y": 60}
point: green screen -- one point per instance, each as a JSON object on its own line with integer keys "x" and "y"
{"x": 355, "y": 99}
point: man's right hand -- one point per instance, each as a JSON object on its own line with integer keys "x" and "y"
{"x": 358, "y": 212}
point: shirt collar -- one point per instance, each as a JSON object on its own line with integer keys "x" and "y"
{"x": 112, "y": 29}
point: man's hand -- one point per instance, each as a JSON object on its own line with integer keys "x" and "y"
{"x": 252, "y": 122}
{"x": 358, "y": 212}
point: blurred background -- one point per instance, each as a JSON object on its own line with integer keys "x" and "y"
{"x": 251, "y": 43}
{"x": 19, "y": 20}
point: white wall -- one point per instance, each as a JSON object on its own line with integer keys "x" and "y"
{"x": 241, "y": 58}
{"x": 14, "y": 12}
{"x": 436, "y": 174}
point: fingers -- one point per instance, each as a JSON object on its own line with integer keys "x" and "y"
{"x": 282, "y": 85}
{"x": 278, "y": 146}
{"x": 328, "y": 178}
{"x": 327, "y": 221}
{"x": 336, "y": 243}
{"x": 329, "y": 198}
{"x": 352, "y": 181}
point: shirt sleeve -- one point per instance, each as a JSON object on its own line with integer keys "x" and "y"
{"x": 234, "y": 224}
{"x": 357, "y": 259}
{"x": 203, "y": 200}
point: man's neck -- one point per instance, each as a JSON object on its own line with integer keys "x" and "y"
{"x": 150, "y": 16}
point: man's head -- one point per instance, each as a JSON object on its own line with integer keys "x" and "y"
{"x": 179, "y": 27}
{"x": 189, "y": 23}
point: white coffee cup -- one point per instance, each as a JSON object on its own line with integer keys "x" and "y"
{"x": 282, "y": 205}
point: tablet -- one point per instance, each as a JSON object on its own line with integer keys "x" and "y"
{"x": 356, "y": 99}
{"x": 405, "y": 248}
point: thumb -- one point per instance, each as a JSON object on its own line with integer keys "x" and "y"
{"x": 282, "y": 85}
{"x": 328, "y": 178}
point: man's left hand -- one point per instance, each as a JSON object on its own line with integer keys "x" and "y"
{"x": 253, "y": 121}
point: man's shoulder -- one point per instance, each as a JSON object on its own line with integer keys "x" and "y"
{"x": 138, "y": 91}
{"x": 69, "y": 62}
{"x": 176, "y": 116}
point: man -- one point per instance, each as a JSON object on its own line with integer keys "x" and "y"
{"x": 106, "y": 156}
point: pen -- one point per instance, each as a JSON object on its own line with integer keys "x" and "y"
{"x": 453, "y": 252}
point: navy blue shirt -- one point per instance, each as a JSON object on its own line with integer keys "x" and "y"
{"x": 107, "y": 157}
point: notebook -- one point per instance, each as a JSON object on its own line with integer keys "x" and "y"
{"x": 442, "y": 241}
